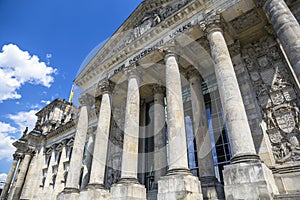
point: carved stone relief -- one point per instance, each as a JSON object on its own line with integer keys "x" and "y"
{"x": 149, "y": 20}
{"x": 276, "y": 96}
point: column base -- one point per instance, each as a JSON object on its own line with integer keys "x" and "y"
{"x": 249, "y": 180}
{"x": 94, "y": 192}
{"x": 128, "y": 189}
{"x": 212, "y": 189}
{"x": 68, "y": 194}
{"x": 179, "y": 186}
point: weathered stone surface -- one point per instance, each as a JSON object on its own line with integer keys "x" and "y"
{"x": 287, "y": 29}
{"x": 128, "y": 191}
{"x": 182, "y": 186}
{"x": 176, "y": 126}
{"x": 94, "y": 194}
{"x": 249, "y": 181}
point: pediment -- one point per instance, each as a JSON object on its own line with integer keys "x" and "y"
{"x": 149, "y": 14}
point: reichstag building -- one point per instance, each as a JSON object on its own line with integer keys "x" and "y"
{"x": 188, "y": 99}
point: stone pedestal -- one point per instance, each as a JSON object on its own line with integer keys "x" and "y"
{"x": 68, "y": 194}
{"x": 127, "y": 190}
{"x": 94, "y": 193}
{"x": 179, "y": 186}
{"x": 212, "y": 189}
{"x": 249, "y": 181}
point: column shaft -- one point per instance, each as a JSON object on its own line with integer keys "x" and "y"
{"x": 131, "y": 129}
{"x": 101, "y": 142}
{"x": 176, "y": 126}
{"x": 9, "y": 178}
{"x": 287, "y": 29}
{"x": 160, "y": 153}
{"x": 234, "y": 112}
{"x": 21, "y": 176}
{"x": 200, "y": 127}
{"x": 77, "y": 152}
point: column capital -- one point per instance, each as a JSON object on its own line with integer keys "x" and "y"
{"x": 158, "y": 89}
{"x": 106, "y": 86}
{"x": 17, "y": 156}
{"x": 192, "y": 72}
{"x": 86, "y": 99}
{"x": 132, "y": 71}
{"x": 212, "y": 23}
{"x": 30, "y": 150}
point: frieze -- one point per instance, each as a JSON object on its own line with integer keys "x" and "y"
{"x": 276, "y": 96}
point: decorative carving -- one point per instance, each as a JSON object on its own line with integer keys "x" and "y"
{"x": 106, "y": 86}
{"x": 212, "y": 23}
{"x": 148, "y": 21}
{"x": 246, "y": 21}
{"x": 276, "y": 97}
{"x": 86, "y": 100}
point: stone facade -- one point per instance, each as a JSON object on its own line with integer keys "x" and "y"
{"x": 189, "y": 99}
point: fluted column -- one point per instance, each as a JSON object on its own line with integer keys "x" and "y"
{"x": 22, "y": 173}
{"x": 287, "y": 29}
{"x": 176, "y": 127}
{"x": 131, "y": 128}
{"x": 241, "y": 142}
{"x": 244, "y": 158}
{"x": 200, "y": 125}
{"x": 10, "y": 176}
{"x": 78, "y": 147}
{"x": 179, "y": 183}
{"x": 160, "y": 158}
{"x": 102, "y": 136}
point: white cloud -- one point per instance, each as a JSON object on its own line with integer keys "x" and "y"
{"x": 6, "y": 147}
{"x": 7, "y": 128}
{"x": 18, "y": 67}
{"x": 24, "y": 119}
{"x": 3, "y": 177}
{"x": 45, "y": 102}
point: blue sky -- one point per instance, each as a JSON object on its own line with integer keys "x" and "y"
{"x": 67, "y": 30}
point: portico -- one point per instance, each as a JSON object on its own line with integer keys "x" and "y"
{"x": 195, "y": 102}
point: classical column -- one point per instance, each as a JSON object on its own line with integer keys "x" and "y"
{"x": 78, "y": 147}
{"x": 211, "y": 188}
{"x": 178, "y": 159}
{"x": 200, "y": 125}
{"x": 160, "y": 158}
{"x": 245, "y": 184}
{"x": 287, "y": 29}
{"x": 22, "y": 173}
{"x": 131, "y": 128}
{"x": 241, "y": 142}
{"x": 128, "y": 187}
{"x": 179, "y": 183}
{"x": 10, "y": 175}
{"x": 102, "y": 136}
